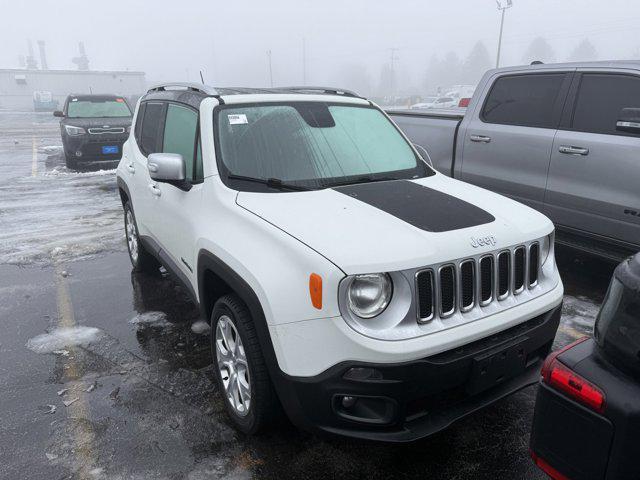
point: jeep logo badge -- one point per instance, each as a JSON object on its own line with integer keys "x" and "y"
{"x": 483, "y": 241}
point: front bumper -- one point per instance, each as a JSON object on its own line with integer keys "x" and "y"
{"x": 411, "y": 400}
{"x": 90, "y": 147}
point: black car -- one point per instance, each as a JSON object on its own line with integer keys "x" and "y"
{"x": 93, "y": 129}
{"x": 587, "y": 415}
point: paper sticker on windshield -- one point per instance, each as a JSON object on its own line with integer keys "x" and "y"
{"x": 237, "y": 119}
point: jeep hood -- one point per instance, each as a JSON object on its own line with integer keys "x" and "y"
{"x": 398, "y": 224}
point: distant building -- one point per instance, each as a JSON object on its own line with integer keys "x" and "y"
{"x": 22, "y": 89}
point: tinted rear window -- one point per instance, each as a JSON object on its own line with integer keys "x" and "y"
{"x": 601, "y": 98}
{"x": 528, "y": 100}
{"x": 151, "y": 128}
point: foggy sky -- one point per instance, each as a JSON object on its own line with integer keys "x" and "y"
{"x": 172, "y": 40}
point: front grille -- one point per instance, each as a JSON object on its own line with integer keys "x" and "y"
{"x": 465, "y": 284}
{"x": 101, "y": 130}
{"x": 534, "y": 264}
{"x": 447, "y": 290}
{"x": 518, "y": 270}
{"x": 486, "y": 279}
{"x": 424, "y": 289}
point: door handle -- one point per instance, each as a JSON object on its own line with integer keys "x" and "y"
{"x": 480, "y": 138}
{"x": 130, "y": 168}
{"x": 569, "y": 150}
{"x": 155, "y": 190}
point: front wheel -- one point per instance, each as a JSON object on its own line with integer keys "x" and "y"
{"x": 70, "y": 162}
{"x": 141, "y": 259}
{"x": 240, "y": 369}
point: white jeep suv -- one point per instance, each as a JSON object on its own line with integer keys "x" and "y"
{"x": 343, "y": 277}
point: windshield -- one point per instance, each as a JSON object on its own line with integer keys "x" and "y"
{"x": 116, "y": 107}
{"x": 315, "y": 145}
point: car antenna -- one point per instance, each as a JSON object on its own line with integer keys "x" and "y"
{"x": 201, "y": 77}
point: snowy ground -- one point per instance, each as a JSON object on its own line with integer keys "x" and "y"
{"x": 106, "y": 374}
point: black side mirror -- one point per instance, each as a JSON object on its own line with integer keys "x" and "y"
{"x": 629, "y": 120}
{"x": 58, "y": 113}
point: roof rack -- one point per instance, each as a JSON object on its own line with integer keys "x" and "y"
{"x": 196, "y": 87}
{"x": 329, "y": 90}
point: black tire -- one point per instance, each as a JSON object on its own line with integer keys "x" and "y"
{"x": 264, "y": 406}
{"x": 70, "y": 162}
{"x": 143, "y": 261}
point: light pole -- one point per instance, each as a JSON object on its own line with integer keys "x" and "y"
{"x": 270, "y": 69}
{"x": 502, "y": 6}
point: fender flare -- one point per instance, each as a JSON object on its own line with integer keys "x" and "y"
{"x": 122, "y": 185}
{"x": 281, "y": 382}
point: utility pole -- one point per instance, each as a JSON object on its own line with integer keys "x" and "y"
{"x": 393, "y": 70}
{"x": 502, "y": 6}
{"x": 304, "y": 61}
{"x": 270, "y": 69}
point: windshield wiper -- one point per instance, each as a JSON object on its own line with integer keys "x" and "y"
{"x": 364, "y": 179}
{"x": 269, "y": 182}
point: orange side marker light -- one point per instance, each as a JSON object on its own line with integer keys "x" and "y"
{"x": 315, "y": 290}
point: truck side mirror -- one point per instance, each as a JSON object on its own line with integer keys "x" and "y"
{"x": 58, "y": 113}
{"x": 629, "y": 120}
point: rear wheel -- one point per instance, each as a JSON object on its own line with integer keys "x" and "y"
{"x": 240, "y": 369}
{"x": 141, "y": 259}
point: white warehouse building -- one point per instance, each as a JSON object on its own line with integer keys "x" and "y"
{"x": 28, "y": 89}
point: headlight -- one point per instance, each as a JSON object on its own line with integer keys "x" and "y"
{"x": 73, "y": 131}
{"x": 545, "y": 247}
{"x": 369, "y": 294}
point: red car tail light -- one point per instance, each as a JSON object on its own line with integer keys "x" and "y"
{"x": 560, "y": 377}
{"x": 464, "y": 102}
{"x": 546, "y": 468}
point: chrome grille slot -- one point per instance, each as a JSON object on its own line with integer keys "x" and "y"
{"x": 424, "y": 289}
{"x": 534, "y": 264}
{"x": 486, "y": 280}
{"x": 467, "y": 285}
{"x": 518, "y": 270}
{"x": 448, "y": 286}
{"x": 461, "y": 286}
{"x": 504, "y": 274}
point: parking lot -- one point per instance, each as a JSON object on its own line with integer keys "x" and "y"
{"x": 139, "y": 400}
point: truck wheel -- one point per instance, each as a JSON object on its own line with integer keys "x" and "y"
{"x": 141, "y": 259}
{"x": 242, "y": 374}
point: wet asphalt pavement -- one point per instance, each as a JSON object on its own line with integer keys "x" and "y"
{"x": 139, "y": 400}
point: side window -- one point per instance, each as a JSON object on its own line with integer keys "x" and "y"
{"x": 528, "y": 100}
{"x": 151, "y": 128}
{"x": 180, "y": 135}
{"x": 138, "y": 128}
{"x": 600, "y": 99}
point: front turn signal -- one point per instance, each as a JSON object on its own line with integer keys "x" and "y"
{"x": 315, "y": 290}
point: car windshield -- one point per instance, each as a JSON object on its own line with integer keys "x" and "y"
{"x": 104, "y": 108}
{"x": 313, "y": 145}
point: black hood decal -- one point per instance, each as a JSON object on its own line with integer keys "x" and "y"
{"x": 420, "y": 206}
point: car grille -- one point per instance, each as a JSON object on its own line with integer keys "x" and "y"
{"x": 101, "y": 130}
{"x": 463, "y": 285}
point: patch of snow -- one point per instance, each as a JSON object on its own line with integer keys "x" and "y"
{"x": 63, "y": 337}
{"x": 580, "y": 312}
{"x": 200, "y": 327}
{"x": 151, "y": 319}
{"x": 68, "y": 403}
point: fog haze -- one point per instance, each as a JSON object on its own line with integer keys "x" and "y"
{"x": 348, "y": 42}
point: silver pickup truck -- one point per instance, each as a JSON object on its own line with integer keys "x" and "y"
{"x": 561, "y": 138}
